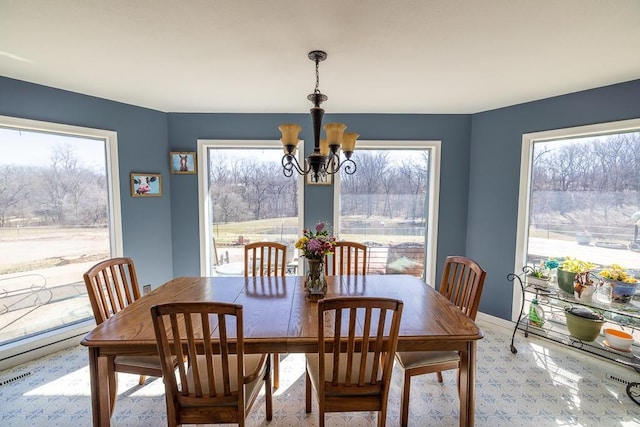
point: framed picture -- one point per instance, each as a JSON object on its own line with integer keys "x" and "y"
{"x": 323, "y": 179}
{"x": 183, "y": 162}
{"x": 146, "y": 184}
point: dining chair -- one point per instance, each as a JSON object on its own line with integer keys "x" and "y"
{"x": 357, "y": 338}
{"x": 266, "y": 259}
{"x": 217, "y": 382}
{"x": 112, "y": 285}
{"x": 347, "y": 258}
{"x": 462, "y": 283}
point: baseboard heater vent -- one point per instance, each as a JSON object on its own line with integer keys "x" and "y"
{"x": 16, "y": 378}
{"x": 620, "y": 380}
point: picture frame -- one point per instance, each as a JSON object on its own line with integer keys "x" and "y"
{"x": 325, "y": 179}
{"x": 183, "y": 162}
{"x": 146, "y": 184}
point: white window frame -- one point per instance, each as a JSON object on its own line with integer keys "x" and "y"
{"x": 431, "y": 239}
{"x": 42, "y": 344}
{"x": 204, "y": 204}
{"x": 528, "y": 139}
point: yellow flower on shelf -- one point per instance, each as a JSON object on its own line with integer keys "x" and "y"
{"x": 617, "y": 273}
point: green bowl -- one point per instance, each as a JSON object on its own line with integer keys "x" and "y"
{"x": 583, "y": 328}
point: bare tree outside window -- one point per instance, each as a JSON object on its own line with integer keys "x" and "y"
{"x": 384, "y": 205}
{"x": 53, "y": 227}
{"x": 584, "y": 200}
{"x": 251, "y": 201}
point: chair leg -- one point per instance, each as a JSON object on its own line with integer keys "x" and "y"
{"x": 439, "y": 375}
{"x": 307, "y": 392}
{"x": 382, "y": 418}
{"x": 276, "y": 370}
{"x": 113, "y": 390}
{"x": 268, "y": 392}
{"x": 404, "y": 398}
{"x": 171, "y": 412}
{"x": 142, "y": 379}
{"x": 171, "y": 422}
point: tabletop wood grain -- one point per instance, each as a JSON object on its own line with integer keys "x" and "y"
{"x": 277, "y": 317}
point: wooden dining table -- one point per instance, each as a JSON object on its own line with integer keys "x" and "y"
{"x": 279, "y": 319}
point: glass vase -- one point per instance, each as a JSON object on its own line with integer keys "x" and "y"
{"x": 314, "y": 283}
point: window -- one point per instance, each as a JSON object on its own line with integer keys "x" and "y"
{"x": 391, "y": 204}
{"x": 580, "y": 196}
{"x": 59, "y": 216}
{"x": 244, "y": 197}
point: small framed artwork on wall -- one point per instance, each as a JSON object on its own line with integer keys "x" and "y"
{"x": 323, "y": 179}
{"x": 146, "y": 184}
{"x": 183, "y": 162}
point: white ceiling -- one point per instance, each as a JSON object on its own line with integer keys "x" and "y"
{"x": 384, "y": 56}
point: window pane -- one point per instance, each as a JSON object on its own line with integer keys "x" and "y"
{"x": 585, "y": 200}
{"x": 385, "y": 205}
{"x": 53, "y": 227}
{"x": 251, "y": 201}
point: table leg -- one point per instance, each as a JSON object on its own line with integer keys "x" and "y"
{"x": 100, "y": 400}
{"x": 467, "y": 385}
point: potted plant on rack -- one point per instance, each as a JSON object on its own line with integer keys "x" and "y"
{"x": 540, "y": 276}
{"x": 623, "y": 285}
{"x": 567, "y": 272}
{"x": 584, "y": 287}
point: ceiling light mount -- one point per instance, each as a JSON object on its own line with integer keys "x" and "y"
{"x": 317, "y": 55}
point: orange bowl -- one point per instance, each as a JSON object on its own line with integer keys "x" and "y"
{"x": 617, "y": 339}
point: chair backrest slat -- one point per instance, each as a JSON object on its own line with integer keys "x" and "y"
{"x": 462, "y": 283}
{"x": 177, "y": 344}
{"x": 111, "y": 285}
{"x": 265, "y": 259}
{"x": 224, "y": 352}
{"x": 365, "y": 344}
{"x": 347, "y": 258}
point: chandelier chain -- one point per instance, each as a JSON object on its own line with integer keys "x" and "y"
{"x": 317, "y": 89}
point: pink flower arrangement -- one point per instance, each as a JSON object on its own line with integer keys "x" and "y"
{"x": 316, "y": 244}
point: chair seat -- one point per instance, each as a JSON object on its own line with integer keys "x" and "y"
{"x": 254, "y": 365}
{"x": 313, "y": 369}
{"x": 312, "y": 363}
{"x": 417, "y": 359}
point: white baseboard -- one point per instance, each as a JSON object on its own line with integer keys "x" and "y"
{"x": 496, "y": 321}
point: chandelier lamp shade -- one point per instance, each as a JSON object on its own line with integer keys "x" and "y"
{"x": 325, "y": 158}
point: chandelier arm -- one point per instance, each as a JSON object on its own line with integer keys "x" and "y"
{"x": 349, "y": 166}
{"x": 290, "y": 163}
{"x": 333, "y": 163}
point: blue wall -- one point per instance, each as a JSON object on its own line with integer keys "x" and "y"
{"x": 453, "y": 130}
{"x": 142, "y": 147}
{"x": 496, "y": 141}
{"x": 478, "y": 200}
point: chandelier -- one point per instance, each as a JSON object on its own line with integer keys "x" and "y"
{"x": 325, "y": 158}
